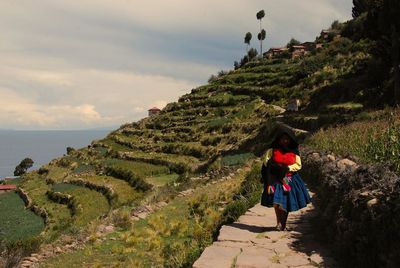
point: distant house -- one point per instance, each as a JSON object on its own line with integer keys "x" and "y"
{"x": 154, "y": 111}
{"x": 293, "y": 105}
{"x": 298, "y": 51}
{"x": 275, "y": 52}
{"x": 7, "y": 188}
{"x": 325, "y": 34}
{"x": 309, "y": 46}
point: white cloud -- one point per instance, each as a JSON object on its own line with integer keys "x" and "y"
{"x": 76, "y": 64}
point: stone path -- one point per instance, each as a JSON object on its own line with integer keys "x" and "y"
{"x": 253, "y": 241}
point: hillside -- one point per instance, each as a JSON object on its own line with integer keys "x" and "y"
{"x": 194, "y": 166}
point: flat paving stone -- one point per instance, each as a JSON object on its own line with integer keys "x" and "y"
{"x": 238, "y": 232}
{"x": 254, "y": 257}
{"x": 214, "y": 256}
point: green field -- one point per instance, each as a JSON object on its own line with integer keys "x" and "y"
{"x": 16, "y": 222}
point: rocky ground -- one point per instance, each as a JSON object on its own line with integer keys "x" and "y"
{"x": 253, "y": 241}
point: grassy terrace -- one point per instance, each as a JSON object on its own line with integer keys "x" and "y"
{"x": 139, "y": 168}
{"x": 171, "y": 237}
{"x": 59, "y": 215}
{"x": 16, "y": 222}
{"x": 126, "y": 195}
{"x": 178, "y": 163}
{"x": 92, "y": 204}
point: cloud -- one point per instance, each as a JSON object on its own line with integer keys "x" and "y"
{"x": 89, "y": 63}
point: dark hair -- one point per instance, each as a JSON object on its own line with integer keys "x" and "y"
{"x": 285, "y": 130}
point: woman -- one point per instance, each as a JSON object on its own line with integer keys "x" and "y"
{"x": 283, "y": 187}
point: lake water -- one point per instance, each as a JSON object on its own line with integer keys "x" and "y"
{"x": 41, "y": 146}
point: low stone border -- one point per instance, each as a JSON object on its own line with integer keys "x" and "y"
{"x": 30, "y": 205}
{"x": 108, "y": 192}
{"x": 357, "y": 206}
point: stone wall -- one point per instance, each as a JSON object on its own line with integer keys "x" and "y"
{"x": 30, "y": 205}
{"x": 358, "y": 208}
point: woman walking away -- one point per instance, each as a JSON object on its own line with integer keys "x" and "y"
{"x": 283, "y": 187}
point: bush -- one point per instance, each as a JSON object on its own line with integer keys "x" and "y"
{"x": 122, "y": 219}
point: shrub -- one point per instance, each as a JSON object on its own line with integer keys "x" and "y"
{"x": 122, "y": 219}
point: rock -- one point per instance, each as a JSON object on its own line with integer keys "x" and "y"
{"x": 315, "y": 156}
{"x": 372, "y": 202}
{"x": 316, "y": 258}
{"x": 58, "y": 250}
{"x": 331, "y": 157}
{"x": 254, "y": 257}
{"x": 345, "y": 163}
{"x": 365, "y": 194}
{"x": 295, "y": 260}
{"x": 214, "y": 256}
{"x": 233, "y": 232}
{"x": 109, "y": 229}
{"x": 32, "y": 259}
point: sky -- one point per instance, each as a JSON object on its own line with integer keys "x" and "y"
{"x": 69, "y": 64}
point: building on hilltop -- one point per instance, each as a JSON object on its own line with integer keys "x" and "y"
{"x": 293, "y": 105}
{"x": 275, "y": 52}
{"x": 329, "y": 35}
{"x": 154, "y": 111}
{"x": 298, "y": 51}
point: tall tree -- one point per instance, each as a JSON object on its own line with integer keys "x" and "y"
{"x": 247, "y": 40}
{"x": 260, "y": 15}
{"x": 362, "y": 6}
{"x": 261, "y": 36}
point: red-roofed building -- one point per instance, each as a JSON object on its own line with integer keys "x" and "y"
{"x": 154, "y": 111}
{"x": 7, "y": 188}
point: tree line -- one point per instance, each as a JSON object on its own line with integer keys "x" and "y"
{"x": 379, "y": 21}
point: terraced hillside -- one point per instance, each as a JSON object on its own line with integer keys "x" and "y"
{"x": 208, "y": 133}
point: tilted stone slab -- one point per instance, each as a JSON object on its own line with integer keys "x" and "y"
{"x": 258, "y": 220}
{"x": 239, "y": 232}
{"x": 261, "y": 211}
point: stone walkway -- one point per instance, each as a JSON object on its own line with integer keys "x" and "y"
{"x": 253, "y": 241}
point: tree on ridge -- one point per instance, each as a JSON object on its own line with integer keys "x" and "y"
{"x": 261, "y": 36}
{"x": 247, "y": 40}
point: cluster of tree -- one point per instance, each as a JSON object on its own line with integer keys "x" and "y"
{"x": 251, "y": 54}
{"x": 23, "y": 167}
{"x": 379, "y": 20}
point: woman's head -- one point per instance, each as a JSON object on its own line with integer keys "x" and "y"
{"x": 285, "y": 138}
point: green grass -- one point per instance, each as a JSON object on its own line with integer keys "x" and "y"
{"x": 59, "y": 215}
{"x": 373, "y": 141}
{"x": 173, "y": 236}
{"x": 92, "y": 205}
{"x": 139, "y": 168}
{"x": 237, "y": 159}
{"x": 16, "y": 222}
{"x": 161, "y": 180}
{"x": 126, "y": 194}
{"x": 63, "y": 187}
{"x": 345, "y": 106}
